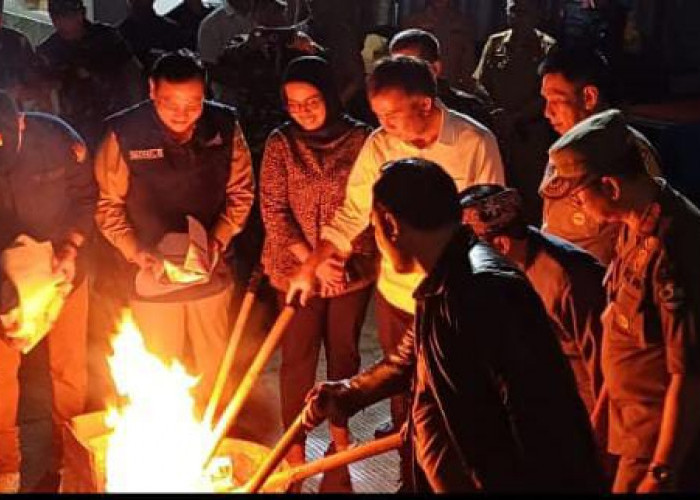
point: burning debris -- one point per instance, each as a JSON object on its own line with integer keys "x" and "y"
{"x": 152, "y": 441}
{"x": 156, "y": 442}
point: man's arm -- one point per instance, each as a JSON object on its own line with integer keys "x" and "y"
{"x": 337, "y": 401}
{"x": 240, "y": 192}
{"x": 675, "y": 295}
{"x": 82, "y": 191}
{"x": 348, "y": 222}
{"x": 112, "y": 176}
{"x": 78, "y": 222}
{"x": 680, "y": 425}
{"x": 353, "y": 216}
{"x": 582, "y": 306}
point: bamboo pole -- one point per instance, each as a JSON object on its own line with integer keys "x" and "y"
{"x": 275, "y": 457}
{"x": 231, "y": 349}
{"x": 243, "y": 391}
{"x": 340, "y": 459}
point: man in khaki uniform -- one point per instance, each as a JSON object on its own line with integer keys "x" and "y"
{"x": 508, "y": 72}
{"x": 575, "y": 85}
{"x": 651, "y": 341}
{"x": 568, "y": 280}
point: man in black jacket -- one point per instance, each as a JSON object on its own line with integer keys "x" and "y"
{"x": 494, "y": 405}
{"x": 47, "y": 192}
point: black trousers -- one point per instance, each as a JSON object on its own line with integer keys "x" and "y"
{"x": 336, "y": 322}
{"x": 392, "y": 324}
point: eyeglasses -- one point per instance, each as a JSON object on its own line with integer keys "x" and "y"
{"x": 311, "y": 104}
{"x": 171, "y": 107}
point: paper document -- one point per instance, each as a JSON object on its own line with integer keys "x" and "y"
{"x": 199, "y": 262}
{"x": 28, "y": 264}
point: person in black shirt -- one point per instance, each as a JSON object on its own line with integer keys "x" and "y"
{"x": 92, "y": 68}
{"x": 494, "y": 404}
{"x": 188, "y": 15}
{"x": 148, "y": 34}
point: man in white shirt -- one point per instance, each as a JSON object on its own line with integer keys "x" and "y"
{"x": 414, "y": 123}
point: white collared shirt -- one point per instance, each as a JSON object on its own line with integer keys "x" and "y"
{"x": 467, "y": 151}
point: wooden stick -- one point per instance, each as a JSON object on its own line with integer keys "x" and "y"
{"x": 340, "y": 459}
{"x": 234, "y": 341}
{"x": 275, "y": 456}
{"x": 266, "y": 350}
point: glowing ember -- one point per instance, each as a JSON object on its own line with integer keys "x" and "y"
{"x": 157, "y": 444}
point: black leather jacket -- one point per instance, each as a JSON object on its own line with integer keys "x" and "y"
{"x": 505, "y": 392}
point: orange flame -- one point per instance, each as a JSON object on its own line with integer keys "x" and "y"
{"x": 157, "y": 444}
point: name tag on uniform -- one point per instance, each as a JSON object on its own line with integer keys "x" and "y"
{"x": 146, "y": 154}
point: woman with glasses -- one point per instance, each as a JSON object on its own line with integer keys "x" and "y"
{"x": 303, "y": 177}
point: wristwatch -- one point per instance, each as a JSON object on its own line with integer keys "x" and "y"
{"x": 662, "y": 474}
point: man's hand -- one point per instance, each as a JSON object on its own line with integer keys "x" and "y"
{"x": 216, "y": 250}
{"x": 147, "y": 260}
{"x": 63, "y": 263}
{"x": 327, "y": 400}
{"x": 331, "y": 276}
{"x": 301, "y": 285}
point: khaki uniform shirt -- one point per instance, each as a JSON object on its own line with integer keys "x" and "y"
{"x": 562, "y": 218}
{"x": 509, "y": 72}
{"x": 570, "y": 283}
{"x": 465, "y": 149}
{"x": 650, "y": 326}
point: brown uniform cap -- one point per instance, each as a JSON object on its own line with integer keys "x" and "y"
{"x": 598, "y": 146}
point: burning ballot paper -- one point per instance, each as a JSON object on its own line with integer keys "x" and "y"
{"x": 187, "y": 261}
{"x": 199, "y": 261}
{"x": 42, "y": 293}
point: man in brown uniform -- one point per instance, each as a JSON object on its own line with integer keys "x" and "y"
{"x": 508, "y": 72}
{"x": 568, "y": 280}
{"x": 576, "y": 83}
{"x": 651, "y": 346}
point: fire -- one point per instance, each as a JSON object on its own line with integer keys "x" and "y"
{"x": 157, "y": 444}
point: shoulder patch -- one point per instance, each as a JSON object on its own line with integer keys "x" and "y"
{"x": 671, "y": 295}
{"x": 670, "y": 292}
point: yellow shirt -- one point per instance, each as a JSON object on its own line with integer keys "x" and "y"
{"x": 465, "y": 149}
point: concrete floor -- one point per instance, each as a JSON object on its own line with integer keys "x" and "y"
{"x": 259, "y": 421}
